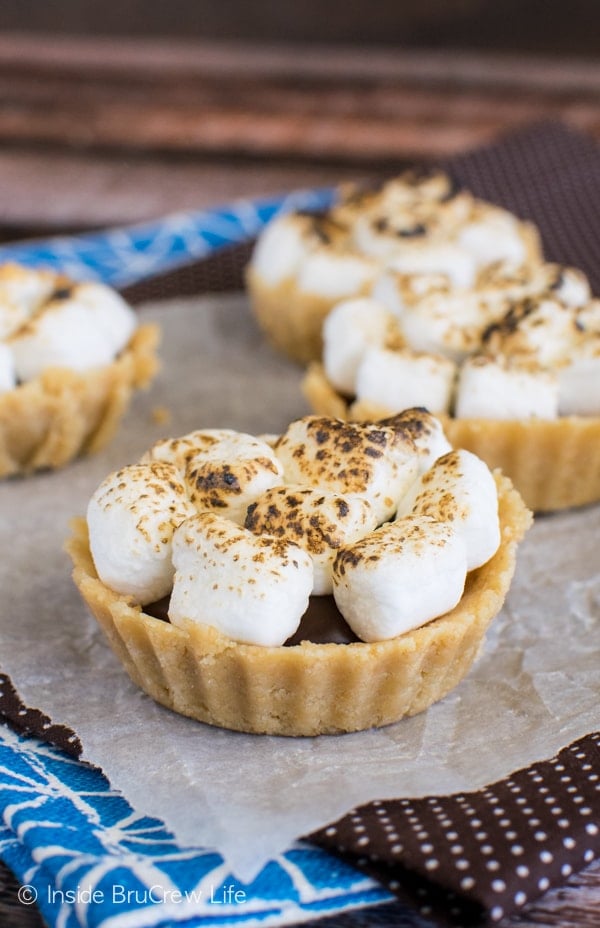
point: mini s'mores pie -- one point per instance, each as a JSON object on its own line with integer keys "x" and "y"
{"x": 460, "y": 314}
{"x": 370, "y": 553}
{"x": 513, "y": 366}
{"x": 70, "y": 356}
{"x": 416, "y": 225}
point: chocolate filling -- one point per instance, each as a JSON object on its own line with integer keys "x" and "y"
{"x": 322, "y": 623}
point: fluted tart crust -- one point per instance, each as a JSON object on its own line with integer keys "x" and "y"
{"x": 61, "y": 414}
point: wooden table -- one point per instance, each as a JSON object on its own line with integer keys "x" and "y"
{"x": 96, "y": 133}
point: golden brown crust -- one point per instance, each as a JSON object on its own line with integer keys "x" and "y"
{"x": 61, "y": 414}
{"x": 291, "y": 320}
{"x": 307, "y": 689}
{"x": 554, "y": 464}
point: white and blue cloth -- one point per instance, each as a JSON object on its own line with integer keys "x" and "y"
{"x": 124, "y": 256}
{"x": 91, "y": 861}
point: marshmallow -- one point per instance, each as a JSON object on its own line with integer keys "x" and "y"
{"x": 108, "y": 311}
{"x": 332, "y": 274}
{"x": 492, "y": 388}
{"x": 252, "y": 588}
{"x": 80, "y": 327}
{"x": 588, "y": 317}
{"x": 348, "y": 331}
{"x": 222, "y": 469}
{"x": 536, "y": 329}
{"x": 444, "y": 258}
{"x": 417, "y": 185}
{"x": 131, "y": 519}
{"x": 386, "y": 290}
{"x": 579, "y": 381}
{"x": 426, "y": 432}
{"x": 376, "y": 463}
{"x": 318, "y": 521}
{"x": 399, "y": 577}
{"x": 400, "y": 379}
{"x": 400, "y": 291}
{"x": 459, "y": 489}
{"x": 409, "y": 210}
{"x": 451, "y": 324}
{"x": 281, "y": 247}
{"x": 502, "y": 284}
{"x": 22, "y": 292}
{"x": 570, "y": 286}
{"x": 8, "y": 379}
{"x": 493, "y": 236}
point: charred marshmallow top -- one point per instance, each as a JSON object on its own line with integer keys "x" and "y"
{"x": 306, "y": 513}
{"x": 48, "y": 321}
{"x": 521, "y": 343}
{"x": 418, "y": 223}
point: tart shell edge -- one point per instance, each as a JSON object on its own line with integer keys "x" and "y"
{"x": 50, "y": 420}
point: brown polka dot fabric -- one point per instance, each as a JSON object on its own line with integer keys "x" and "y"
{"x": 484, "y": 854}
{"x": 27, "y": 721}
{"x": 551, "y": 175}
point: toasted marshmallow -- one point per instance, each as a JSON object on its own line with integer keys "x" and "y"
{"x": 451, "y": 324}
{"x": 570, "y": 286}
{"x": 223, "y": 470}
{"x": 281, "y": 248}
{"x": 22, "y": 292}
{"x": 401, "y": 291}
{"x": 426, "y": 432}
{"x": 588, "y": 318}
{"x": 579, "y": 381}
{"x": 459, "y": 489}
{"x": 332, "y": 274}
{"x": 493, "y": 235}
{"x": 493, "y": 388}
{"x": 376, "y": 463}
{"x": 8, "y": 378}
{"x": 318, "y": 521}
{"x": 80, "y": 327}
{"x": 446, "y": 258}
{"x": 252, "y": 588}
{"x": 400, "y": 379}
{"x": 415, "y": 186}
{"x": 131, "y": 519}
{"x": 399, "y": 577}
{"x": 502, "y": 284}
{"x": 348, "y": 331}
{"x": 109, "y": 312}
{"x": 536, "y": 329}
{"x": 409, "y": 210}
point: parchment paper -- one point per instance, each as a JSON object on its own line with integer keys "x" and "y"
{"x": 534, "y": 689}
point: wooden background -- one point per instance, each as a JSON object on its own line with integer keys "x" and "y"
{"x": 111, "y": 114}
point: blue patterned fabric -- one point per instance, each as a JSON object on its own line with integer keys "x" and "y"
{"x": 120, "y": 257}
{"x": 89, "y": 859}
